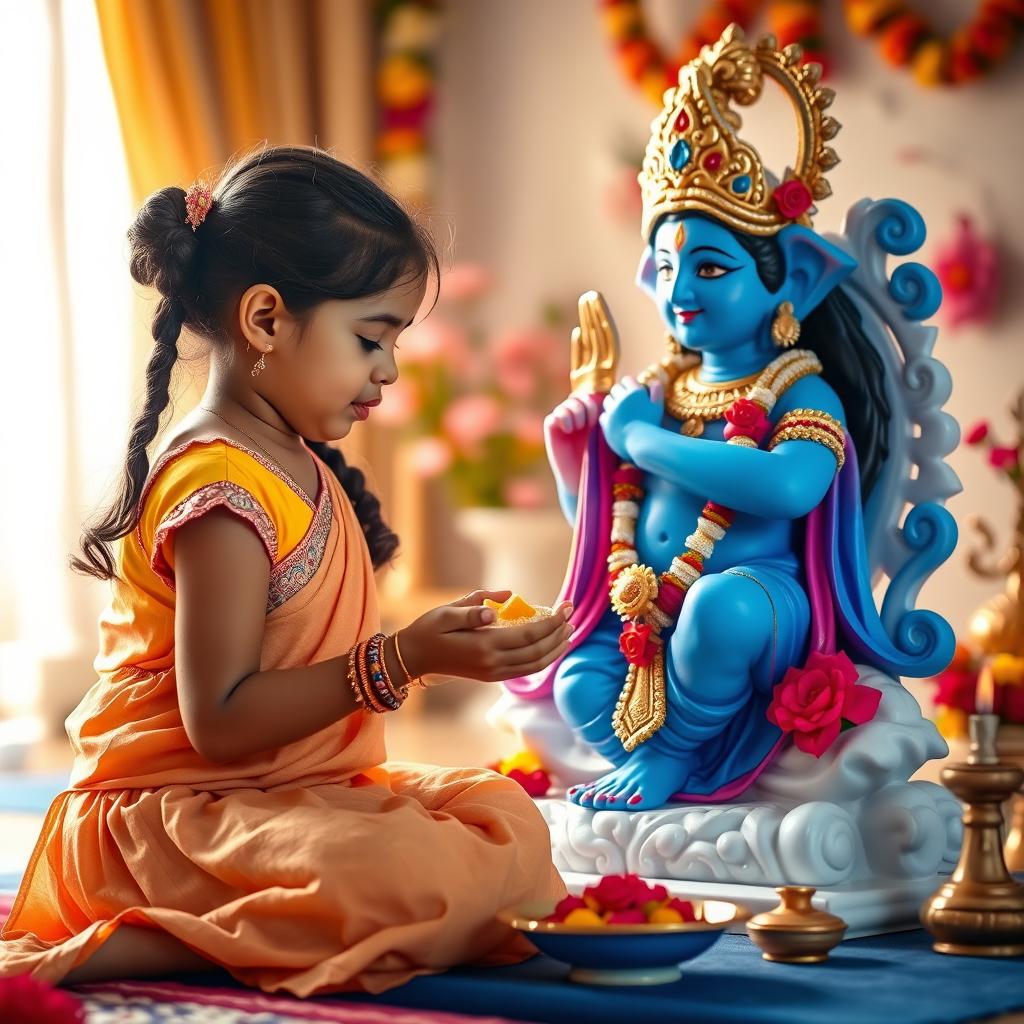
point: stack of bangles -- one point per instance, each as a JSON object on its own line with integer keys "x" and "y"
{"x": 369, "y": 677}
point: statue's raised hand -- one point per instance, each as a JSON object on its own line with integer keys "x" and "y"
{"x": 594, "y": 356}
{"x": 628, "y": 403}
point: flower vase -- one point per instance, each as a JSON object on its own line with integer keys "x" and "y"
{"x": 522, "y": 550}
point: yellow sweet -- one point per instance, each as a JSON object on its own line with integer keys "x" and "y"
{"x": 665, "y": 915}
{"x": 516, "y": 608}
{"x": 585, "y": 918}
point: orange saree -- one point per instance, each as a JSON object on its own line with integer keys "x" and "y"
{"x": 316, "y": 867}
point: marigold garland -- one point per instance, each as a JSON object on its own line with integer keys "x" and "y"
{"x": 907, "y": 39}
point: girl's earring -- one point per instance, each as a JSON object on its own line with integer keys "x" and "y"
{"x": 785, "y": 326}
{"x": 261, "y": 363}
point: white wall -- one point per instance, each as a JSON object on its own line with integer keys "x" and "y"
{"x": 533, "y": 107}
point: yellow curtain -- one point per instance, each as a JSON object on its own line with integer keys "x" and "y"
{"x": 195, "y": 81}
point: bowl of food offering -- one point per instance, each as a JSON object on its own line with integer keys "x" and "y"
{"x": 624, "y": 930}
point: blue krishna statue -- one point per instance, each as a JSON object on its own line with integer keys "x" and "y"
{"x": 734, "y": 505}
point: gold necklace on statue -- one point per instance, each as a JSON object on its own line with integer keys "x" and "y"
{"x": 695, "y": 402}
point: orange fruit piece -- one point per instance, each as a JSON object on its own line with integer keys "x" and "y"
{"x": 665, "y": 915}
{"x": 587, "y": 918}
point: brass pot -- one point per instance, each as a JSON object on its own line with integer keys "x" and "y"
{"x": 794, "y": 932}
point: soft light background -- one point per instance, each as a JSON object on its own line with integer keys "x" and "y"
{"x": 532, "y": 112}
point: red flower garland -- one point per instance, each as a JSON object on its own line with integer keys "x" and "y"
{"x": 907, "y": 39}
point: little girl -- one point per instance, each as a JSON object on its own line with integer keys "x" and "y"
{"x": 229, "y": 803}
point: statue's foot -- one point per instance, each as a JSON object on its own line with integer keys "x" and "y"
{"x": 646, "y": 780}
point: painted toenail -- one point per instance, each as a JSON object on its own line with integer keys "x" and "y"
{"x": 573, "y": 790}
{"x": 611, "y": 799}
{"x": 635, "y": 799}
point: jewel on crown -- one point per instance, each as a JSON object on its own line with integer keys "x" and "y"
{"x": 695, "y": 161}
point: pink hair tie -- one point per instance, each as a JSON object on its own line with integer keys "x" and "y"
{"x": 198, "y": 200}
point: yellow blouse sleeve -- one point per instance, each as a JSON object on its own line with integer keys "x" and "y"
{"x": 209, "y": 475}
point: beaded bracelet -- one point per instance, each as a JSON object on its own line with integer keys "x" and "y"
{"x": 369, "y": 678}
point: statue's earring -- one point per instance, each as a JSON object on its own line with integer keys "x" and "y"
{"x": 785, "y": 326}
{"x": 673, "y": 344}
{"x": 261, "y": 363}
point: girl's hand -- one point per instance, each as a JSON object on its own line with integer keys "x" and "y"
{"x": 630, "y": 402}
{"x": 566, "y": 430}
{"x": 449, "y": 641}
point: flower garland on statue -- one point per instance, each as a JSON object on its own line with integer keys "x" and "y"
{"x": 907, "y": 39}
{"x": 647, "y": 603}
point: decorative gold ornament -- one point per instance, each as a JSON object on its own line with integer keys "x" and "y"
{"x": 696, "y": 161}
{"x": 695, "y": 402}
{"x": 634, "y": 591}
{"x": 641, "y": 708}
{"x": 593, "y": 348}
{"x": 785, "y": 326}
{"x": 261, "y": 364}
{"x": 794, "y": 932}
{"x": 673, "y": 344}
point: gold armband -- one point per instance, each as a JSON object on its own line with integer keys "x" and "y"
{"x": 811, "y": 425}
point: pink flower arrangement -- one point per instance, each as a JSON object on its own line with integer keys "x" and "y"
{"x": 813, "y": 702}
{"x": 968, "y": 270}
{"x": 473, "y": 405}
{"x": 1003, "y": 457}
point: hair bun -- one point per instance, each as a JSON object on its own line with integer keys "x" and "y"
{"x": 163, "y": 244}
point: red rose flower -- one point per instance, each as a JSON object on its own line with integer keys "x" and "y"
{"x": 956, "y": 689}
{"x": 746, "y": 417}
{"x": 976, "y": 433}
{"x": 812, "y": 701}
{"x": 793, "y": 198}
{"x": 631, "y": 916}
{"x": 26, "y": 1000}
{"x": 535, "y": 783}
{"x": 613, "y": 892}
{"x": 635, "y": 644}
{"x": 1003, "y": 458}
{"x": 1009, "y": 703}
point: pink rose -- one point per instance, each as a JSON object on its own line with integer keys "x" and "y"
{"x": 968, "y": 270}
{"x": 811, "y": 702}
{"x": 793, "y": 198}
{"x": 429, "y": 457}
{"x": 976, "y": 433}
{"x": 468, "y": 421}
{"x": 565, "y": 907}
{"x": 635, "y": 644}
{"x": 1003, "y": 458}
{"x": 748, "y": 418}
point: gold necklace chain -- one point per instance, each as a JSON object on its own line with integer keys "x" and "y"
{"x": 695, "y": 402}
{"x": 275, "y": 461}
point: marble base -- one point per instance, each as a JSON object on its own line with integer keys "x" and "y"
{"x": 868, "y": 908}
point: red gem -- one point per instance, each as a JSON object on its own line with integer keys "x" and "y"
{"x": 682, "y": 121}
{"x": 713, "y": 161}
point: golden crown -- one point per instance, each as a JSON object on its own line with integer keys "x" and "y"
{"x": 696, "y": 161}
